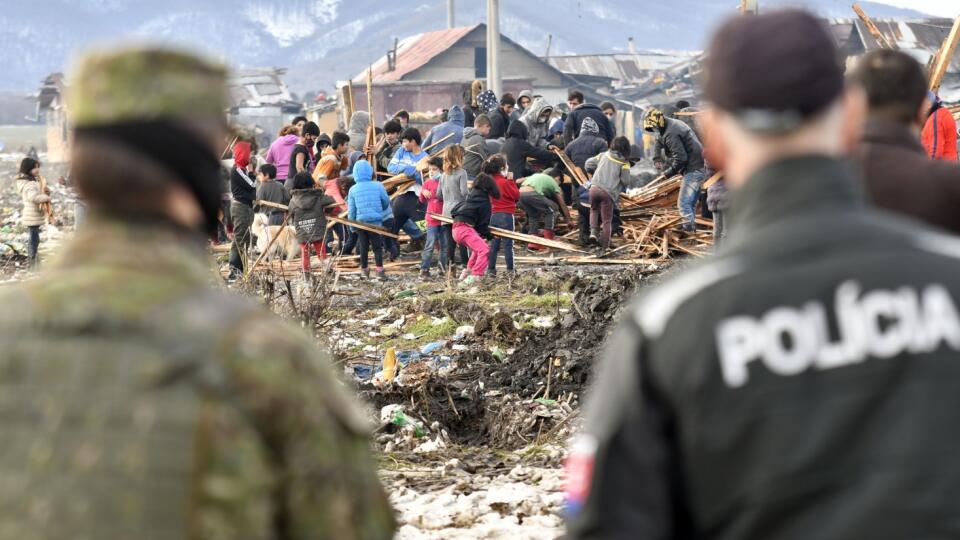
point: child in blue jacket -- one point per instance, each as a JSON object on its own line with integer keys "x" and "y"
{"x": 368, "y": 203}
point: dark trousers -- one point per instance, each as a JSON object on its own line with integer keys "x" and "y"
{"x": 601, "y": 215}
{"x": 365, "y": 241}
{"x": 390, "y": 245}
{"x": 538, "y": 209}
{"x": 224, "y": 225}
{"x": 242, "y": 217}
{"x": 340, "y": 230}
{"x": 504, "y": 221}
{"x": 407, "y": 207}
{"x": 583, "y": 222}
{"x": 33, "y": 243}
{"x": 453, "y": 248}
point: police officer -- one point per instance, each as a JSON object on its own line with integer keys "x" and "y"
{"x": 136, "y": 401}
{"x": 803, "y": 382}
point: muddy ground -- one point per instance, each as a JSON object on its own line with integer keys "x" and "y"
{"x": 472, "y": 431}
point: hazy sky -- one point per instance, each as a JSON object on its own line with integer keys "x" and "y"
{"x": 943, "y": 8}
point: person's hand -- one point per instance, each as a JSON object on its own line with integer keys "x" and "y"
{"x": 552, "y": 148}
{"x": 510, "y": 175}
{"x": 368, "y": 149}
{"x": 426, "y": 193}
{"x": 46, "y": 189}
{"x": 62, "y": 180}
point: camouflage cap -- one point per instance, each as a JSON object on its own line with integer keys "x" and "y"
{"x": 144, "y": 84}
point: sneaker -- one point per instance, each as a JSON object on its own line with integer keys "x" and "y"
{"x": 424, "y": 275}
{"x": 381, "y": 275}
{"x": 470, "y": 281}
{"x": 594, "y": 239}
{"x": 465, "y": 274}
{"x": 414, "y": 246}
{"x": 365, "y": 273}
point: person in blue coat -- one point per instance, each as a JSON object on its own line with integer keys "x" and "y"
{"x": 454, "y": 125}
{"x": 368, "y": 203}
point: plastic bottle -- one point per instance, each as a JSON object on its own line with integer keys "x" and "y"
{"x": 390, "y": 364}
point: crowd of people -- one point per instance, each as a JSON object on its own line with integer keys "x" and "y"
{"x": 489, "y": 146}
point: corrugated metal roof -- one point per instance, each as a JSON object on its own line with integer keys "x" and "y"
{"x": 257, "y": 87}
{"x": 921, "y": 38}
{"x": 414, "y": 52}
{"x": 625, "y": 68}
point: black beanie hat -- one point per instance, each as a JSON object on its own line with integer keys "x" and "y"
{"x": 775, "y": 70}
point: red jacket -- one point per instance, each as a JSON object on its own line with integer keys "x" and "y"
{"x": 940, "y": 135}
{"x": 509, "y": 196}
{"x": 434, "y": 204}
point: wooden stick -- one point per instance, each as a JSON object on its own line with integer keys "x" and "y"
{"x": 249, "y": 271}
{"x": 435, "y": 143}
{"x": 227, "y": 149}
{"x": 578, "y": 175}
{"x": 945, "y": 56}
{"x": 713, "y": 180}
{"x": 372, "y": 128}
{"x": 872, "y": 28}
{"x": 261, "y": 202}
{"x": 46, "y": 207}
{"x": 364, "y": 226}
{"x": 353, "y": 106}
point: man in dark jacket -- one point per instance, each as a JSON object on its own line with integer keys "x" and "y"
{"x": 518, "y": 149}
{"x": 684, "y": 155}
{"x": 500, "y": 117}
{"x": 899, "y": 175}
{"x": 579, "y": 111}
{"x": 802, "y": 382}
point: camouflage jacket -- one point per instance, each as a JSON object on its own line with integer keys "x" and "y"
{"x": 137, "y": 401}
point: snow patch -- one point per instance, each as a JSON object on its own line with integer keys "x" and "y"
{"x": 289, "y": 24}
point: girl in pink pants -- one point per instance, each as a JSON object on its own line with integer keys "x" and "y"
{"x": 471, "y": 225}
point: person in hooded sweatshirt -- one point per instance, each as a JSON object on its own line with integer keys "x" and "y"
{"x": 611, "y": 177}
{"x": 517, "y": 149}
{"x": 537, "y": 119}
{"x": 308, "y": 207}
{"x": 587, "y": 145}
{"x": 524, "y": 100}
{"x": 368, "y": 203}
{"x": 453, "y": 125}
{"x": 357, "y": 130}
{"x": 280, "y": 151}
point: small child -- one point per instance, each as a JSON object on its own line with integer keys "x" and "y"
{"x": 503, "y": 210}
{"x": 471, "y": 221}
{"x": 453, "y": 189}
{"x": 368, "y": 203}
{"x": 430, "y": 195}
{"x": 308, "y": 207}
{"x": 28, "y": 185}
{"x": 611, "y": 177}
{"x": 272, "y": 191}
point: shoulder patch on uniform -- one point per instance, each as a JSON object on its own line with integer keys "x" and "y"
{"x": 653, "y": 313}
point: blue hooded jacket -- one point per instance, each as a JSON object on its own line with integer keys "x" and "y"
{"x": 454, "y": 125}
{"x": 367, "y": 201}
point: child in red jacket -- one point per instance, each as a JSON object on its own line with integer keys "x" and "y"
{"x": 503, "y": 210}
{"x": 430, "y": 194}
{"x": 940, "y": 132}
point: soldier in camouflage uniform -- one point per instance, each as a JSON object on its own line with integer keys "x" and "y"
{"x": 136, "y": 401}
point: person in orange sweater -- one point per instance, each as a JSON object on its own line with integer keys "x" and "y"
{"x": 327, "y": 174}
{"x": 940, "y": 132}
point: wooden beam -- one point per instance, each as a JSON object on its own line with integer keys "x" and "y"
{"x": 372, "y": 128}
{"x": 942, "y": 61}
{"x": 364, "y": 226}
{"x": 877, "y": 34}
{"x": 713, "y": 180}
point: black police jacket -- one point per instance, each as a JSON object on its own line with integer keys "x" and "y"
{"x": 801, "y": 384}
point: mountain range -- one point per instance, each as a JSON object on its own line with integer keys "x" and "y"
{"x": 322, "y": 41}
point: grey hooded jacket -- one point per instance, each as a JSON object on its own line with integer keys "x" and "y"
{"x": 536, "y": 127}
{"x": 475, "y": 152}
{"x": 357, "y": 130}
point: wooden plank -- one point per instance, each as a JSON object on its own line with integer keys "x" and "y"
{"x": 364, "y": 226}
{"x": 253, "y": 267}
{"x": 432, "y": 146}
{"x": 872, "y": 28}
{"x": 713, "y": 179}
{"x": 372, "y": 128}
{"x": 577, "y": 173}
{"x": 944, "y": 57}
{"x": 261, "y": 202}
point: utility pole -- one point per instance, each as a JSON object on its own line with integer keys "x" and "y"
{"x": 546, "y": 55}
{"x": 450, "y": 17}
{"x": 493, "y": 47}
